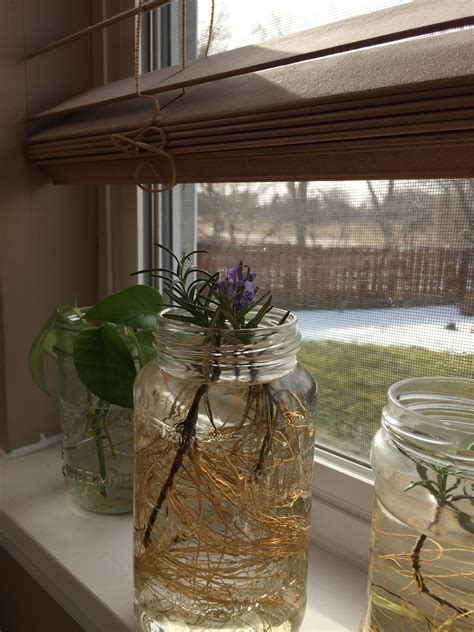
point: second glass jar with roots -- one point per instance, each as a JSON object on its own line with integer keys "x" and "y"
{"x": 224, "y": 434}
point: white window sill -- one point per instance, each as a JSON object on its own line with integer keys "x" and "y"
{"x": 84, "y": 560}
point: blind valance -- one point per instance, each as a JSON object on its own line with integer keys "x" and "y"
{"x": 398, "y": 109}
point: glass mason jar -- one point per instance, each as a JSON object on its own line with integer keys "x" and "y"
{"x": 97, "y": 437}
{"x": 422, "y": 559}
{"x": 224, "y": 432}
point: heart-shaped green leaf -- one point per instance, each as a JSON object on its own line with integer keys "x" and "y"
{"x": 43, "y": 343}
{"x": 47, "y": 338}
{"x": 136, "y": 307}
{"x": 105, "y": 365}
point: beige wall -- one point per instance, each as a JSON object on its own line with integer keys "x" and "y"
{"x": 48, "y": 234}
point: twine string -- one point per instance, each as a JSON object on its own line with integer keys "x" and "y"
{"x": 211, "y": 28}
{"x": 134, "y": 141}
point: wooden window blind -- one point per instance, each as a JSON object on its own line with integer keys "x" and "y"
{"x": 384, "y": 95}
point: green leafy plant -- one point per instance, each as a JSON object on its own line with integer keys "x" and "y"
{"x": 109, "y": 342}
{"x": 113, "y": 339}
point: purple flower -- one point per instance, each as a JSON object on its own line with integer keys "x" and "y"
{"x": 237, "y": 284}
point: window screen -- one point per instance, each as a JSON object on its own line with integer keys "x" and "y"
{"x": 248, "y": 22}
{"x": 380, "y": 274}
{"x": 215, "y": 26}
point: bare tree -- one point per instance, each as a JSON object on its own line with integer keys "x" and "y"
{"x": 335, "y": 208}
{"x": 442, "y": 212}
{"x": 216, "y": 36}
{"x": 275, "y": 26}
{"x": 459, "y": 202}
{"x": 399, "y": 213}
{"x": 298, "y": 211}
{"x": 231, "y": 209}
{"x": 383, "y": 207}
{"x": 294, "y": 208}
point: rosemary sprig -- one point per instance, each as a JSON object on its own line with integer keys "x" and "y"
{"x": 441, "y": 492}
{"x": 439, "y": 488}
{"x": 212, "y": 300}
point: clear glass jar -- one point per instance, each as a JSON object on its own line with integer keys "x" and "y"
{"x": 422, "y": 559}
{"x": 97, "y": 437}
{"x": 224, "y": 440}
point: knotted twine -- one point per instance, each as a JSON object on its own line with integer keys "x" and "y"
{"x": 134, "y": 141}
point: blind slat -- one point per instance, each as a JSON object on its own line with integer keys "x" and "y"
{"x": 460, "y": 119}
{"x": 386, "y": 71}
{"x": 287, "y": 127}
{"x": 428, "y": 160}
{"x": 375, "y": 28}
{"x": 361, "y": 143}
{"x": 446, "y": 99}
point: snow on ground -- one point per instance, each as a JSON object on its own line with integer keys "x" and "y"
{"x": 396, "y": 326}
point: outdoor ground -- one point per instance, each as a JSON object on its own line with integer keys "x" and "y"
{"x": 392, "y": 326}
{"x": 355, "y": 355}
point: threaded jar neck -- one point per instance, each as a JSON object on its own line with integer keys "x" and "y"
{"x": 66, "y": 330}
{"x": 251, "y": 355}
{"x": 433, "y": 418}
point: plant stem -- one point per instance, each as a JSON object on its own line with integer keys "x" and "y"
{"x": 271, "y": 418}
{"x": 187, "y": 429}
{"x": 96, "y": 427}
{"x": 420, "y": 581}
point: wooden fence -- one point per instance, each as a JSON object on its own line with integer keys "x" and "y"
{"x": 316, "y": 277}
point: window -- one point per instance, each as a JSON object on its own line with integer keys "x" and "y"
{"x": 380, "y": 274}
{"x": 378, "y": 271}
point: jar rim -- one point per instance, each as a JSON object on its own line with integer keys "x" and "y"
{"x": 266, "y": 351}
{"x": 69, "y": 322}
{"x": 290, "y": 322}
{"x": 394, "y": 391}
{"x": 426, "y": 418}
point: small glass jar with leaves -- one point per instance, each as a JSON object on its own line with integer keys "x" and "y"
{"x": 98, "y": 352}
{"x": 224, "y": 441}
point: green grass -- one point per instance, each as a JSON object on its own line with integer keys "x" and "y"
{"x": 353, "y": 380}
